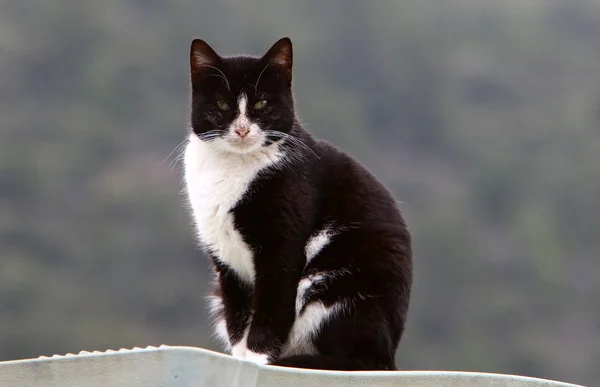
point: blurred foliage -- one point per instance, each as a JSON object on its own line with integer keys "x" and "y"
{"x": 482, "y": 116}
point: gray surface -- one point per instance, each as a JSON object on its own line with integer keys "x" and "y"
{"x": 186, "y": 366}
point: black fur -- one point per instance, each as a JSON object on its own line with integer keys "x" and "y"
{"x": 369, "y": 261}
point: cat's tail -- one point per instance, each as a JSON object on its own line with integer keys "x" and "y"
{"x": 334, "y": 363}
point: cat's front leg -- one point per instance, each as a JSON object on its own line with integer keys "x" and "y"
{"x": 277, "y": 275}
{"x": 234, "y": 295}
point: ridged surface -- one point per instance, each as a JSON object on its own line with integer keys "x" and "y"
{"x": 96, "y": 352}
{"x": 171, "y": 366}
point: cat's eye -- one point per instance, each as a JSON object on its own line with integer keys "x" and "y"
{"x": 260, "y": 104}
{"x": 222, "y": 105}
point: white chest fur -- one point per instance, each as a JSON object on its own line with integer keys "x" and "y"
{"x": 215, "y": 181}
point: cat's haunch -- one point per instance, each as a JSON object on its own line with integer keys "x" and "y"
{"x": 312, "y": 257}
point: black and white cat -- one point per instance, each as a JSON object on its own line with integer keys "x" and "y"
{"x": 312, "y": 257}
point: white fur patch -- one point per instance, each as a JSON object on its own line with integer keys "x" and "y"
{"x": 242, "y": 104}
{"x": 215, "y": 306}
{"x": 222, "y": 334}
{"x": 216, "y": 179}
{"x": 309, "y": 321}
{"x": 242, "y": 121}
{"x": 306, "y": 327}
{"x": 240, "y": 349}
{"x": 317, "y": 242}
{"x": 307, "y": 282}
{"x": 258, "y": 358}
{"x": 303, "y": 286}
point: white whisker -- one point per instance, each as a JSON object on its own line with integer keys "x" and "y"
{"x": 176, "y": 150}
{"x": 292, "y": 140}
{"x": 179, "y": 150}
{"x": 222, "y": 76}
{"x": 178, "y": 158}
{"x": 260, "y": 75}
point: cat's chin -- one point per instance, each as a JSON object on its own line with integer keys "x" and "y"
{"x": 228, "y": 145}
{"x": 242, "y": 147}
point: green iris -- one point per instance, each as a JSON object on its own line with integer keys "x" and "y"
{"x": 222, "y": 105}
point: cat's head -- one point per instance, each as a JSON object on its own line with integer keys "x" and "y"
{"x": 241, "y": 103}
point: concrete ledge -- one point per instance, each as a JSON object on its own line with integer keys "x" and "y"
{"x": 187, "y": 366}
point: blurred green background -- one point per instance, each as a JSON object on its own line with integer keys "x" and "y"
{"x": 482, "y": 116}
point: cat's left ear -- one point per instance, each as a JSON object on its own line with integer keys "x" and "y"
{"x": 281, "y": 56}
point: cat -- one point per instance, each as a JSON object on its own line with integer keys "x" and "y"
{"x": 312, "y": 257}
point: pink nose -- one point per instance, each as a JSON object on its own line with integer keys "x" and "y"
{"x": 242, "y": 132}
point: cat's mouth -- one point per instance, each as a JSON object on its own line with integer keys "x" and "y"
{"x": 245, "y": 142}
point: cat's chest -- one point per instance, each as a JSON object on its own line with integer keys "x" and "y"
{"x": 215, "y": 184}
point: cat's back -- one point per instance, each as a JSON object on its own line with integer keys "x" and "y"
{"x": 349, "y": 187}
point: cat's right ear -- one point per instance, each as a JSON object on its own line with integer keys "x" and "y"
{"x": 202, "y": 59}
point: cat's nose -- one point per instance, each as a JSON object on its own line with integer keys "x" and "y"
{"x": 242, "y": 132}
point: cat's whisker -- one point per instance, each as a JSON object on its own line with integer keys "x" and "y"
{"x": 180, "y": 148}
{"x": 177, "y": 147}
{"x": 210, "y": 135}
{"x": 175, "y": 150}
{"x": 222, "y": 76}
{"x": 303, "y": 145}
{"x": 293, "y": 155}
{"x": 293, "y": 140}
{"x": 177, "y": 159}
{"x": 260, "y": 75}
{"x": 218, "y": 76}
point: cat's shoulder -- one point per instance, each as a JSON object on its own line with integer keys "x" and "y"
{"x": 336, "y": 157}
{"x": 341, "y": 169}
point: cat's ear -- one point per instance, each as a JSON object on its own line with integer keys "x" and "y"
{"x": 281, "y": 56}
{"x": 202, "y": 58}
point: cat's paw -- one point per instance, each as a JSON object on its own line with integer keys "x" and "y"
{"x": 239, "y": 350}
{"x": 238, "y": 353}
{"x": 258, "y": 358}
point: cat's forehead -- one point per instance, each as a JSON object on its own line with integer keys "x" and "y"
{"x": 244, "y": 72}
{"x": 243, "y": 68}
